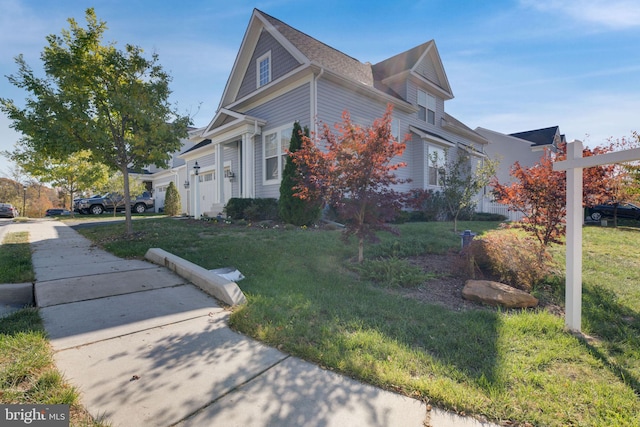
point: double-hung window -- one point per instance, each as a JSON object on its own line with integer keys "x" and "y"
{"x": 275, "y": 146}
{"x": 263, "y": 69}
{"x": 427, "y": 107}
{"x": 435, "y": 163}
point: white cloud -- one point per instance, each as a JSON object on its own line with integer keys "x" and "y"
{"x": 621, "y": 14}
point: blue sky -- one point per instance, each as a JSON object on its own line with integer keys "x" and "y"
{"x": 513, "y": 65}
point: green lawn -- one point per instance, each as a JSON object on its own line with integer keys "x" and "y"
{"x": 15, "y": 259}
{"x": 305, "y": 298}
{"x": 27, "y": 370}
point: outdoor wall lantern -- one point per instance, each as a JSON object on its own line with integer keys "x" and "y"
{"x": 229, "y": 174}
{"x": 186, "y": 185}
{"x": 196, "y": 168}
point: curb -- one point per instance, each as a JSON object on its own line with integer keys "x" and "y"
{"x": 18, "y": 294}
{"x": 217, "y": 286}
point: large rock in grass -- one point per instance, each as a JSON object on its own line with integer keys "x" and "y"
{"x": 497, "y": 294}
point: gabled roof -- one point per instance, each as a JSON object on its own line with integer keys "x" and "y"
{"x": 413, "y": 61}
{"x": 545, "y": 136}
{"x": 304, "y": 48}
{"x": 321, "y": 54}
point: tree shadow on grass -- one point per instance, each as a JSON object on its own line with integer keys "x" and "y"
{"x": 618, "y": 333}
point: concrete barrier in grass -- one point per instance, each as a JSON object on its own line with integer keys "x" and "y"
{"x": 18, "y": 294}
{"x": 217, "y": 286}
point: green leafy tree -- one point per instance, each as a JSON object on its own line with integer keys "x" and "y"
{"x": 97, "y": 97}
{"x": 292, "y": 209}
{"x": 172, "y": 206}
{"x": 460, "y": 183}
{"x": 354, "y": 175}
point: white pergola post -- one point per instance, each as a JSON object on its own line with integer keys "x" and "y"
{"x": 574, "y": 165}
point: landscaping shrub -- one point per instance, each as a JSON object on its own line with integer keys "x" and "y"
{"x": 514, "y": 260}
{"x": 252, "y": 209}
{"x": 430, "y": 204}
{"x": 392, "y": 271}
{"x": 235, "y": 207}
{"x": 172, "y": 206}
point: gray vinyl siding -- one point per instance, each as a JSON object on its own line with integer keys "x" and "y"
{"x": 281, "y": 62}
{"x": 203, "y": 161}
{"x": 427, "y": 69}
{"x": 283, "y": 110}
{"x": 333, "y": 100}
{"x": 231, "y": 153}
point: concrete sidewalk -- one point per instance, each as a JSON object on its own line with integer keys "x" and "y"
{"x": 148, "y": 349}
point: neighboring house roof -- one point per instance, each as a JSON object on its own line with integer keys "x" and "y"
{"x": 197, "y": 146}
{"x": 545, "y": 136}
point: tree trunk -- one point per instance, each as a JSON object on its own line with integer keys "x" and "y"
{"x": 127, "y": 202}
{"x": 360, "y": 249}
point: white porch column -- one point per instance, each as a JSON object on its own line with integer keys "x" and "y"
{"x": 573, "y": 291}
{"x": 219, "y": 172}
{"x": 248, "y": 167}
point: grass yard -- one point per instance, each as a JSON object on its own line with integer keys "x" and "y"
{"x": 305, "y": 298}
{"x": 15, "y": 259}
{"x": 27, "y": 371}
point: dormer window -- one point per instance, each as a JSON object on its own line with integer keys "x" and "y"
{"x": 263, "y": 69}
{"x": 427, "y": 107}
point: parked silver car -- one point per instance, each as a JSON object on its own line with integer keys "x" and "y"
{"x": 8, "y": 211}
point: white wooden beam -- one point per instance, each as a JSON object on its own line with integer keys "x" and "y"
{"x": 601, "y": 159}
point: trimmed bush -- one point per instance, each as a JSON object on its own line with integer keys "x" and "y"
{"x": 252, "y": 209}
{"x": 514, "y": 260}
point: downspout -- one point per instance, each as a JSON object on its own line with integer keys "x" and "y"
{"x": 314, "y": 118}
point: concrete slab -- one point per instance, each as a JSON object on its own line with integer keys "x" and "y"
{"x": 52, "y": 257}
{"x": 66, "y": 270}
{"x": 63, "y": 291}
{"x": 81, "y": 323}
{"x": 297, "y": 393}
{"x": 160, "y": 376}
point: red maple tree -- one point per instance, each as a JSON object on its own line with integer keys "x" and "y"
{"x": 354, "y": 174}
{"x": 539, "y": 192}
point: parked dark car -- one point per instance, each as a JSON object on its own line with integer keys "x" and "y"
{"x": 621, "y": 210}
{"x": 8, "y": 211}
{"x": 57, "y": 212}
{"x": 100, "y": 204}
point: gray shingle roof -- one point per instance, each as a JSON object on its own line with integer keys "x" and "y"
{"x": 401, "y": 62}
{"x": 322, "y": 54}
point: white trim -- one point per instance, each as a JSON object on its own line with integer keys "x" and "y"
{"x": 259, "y": 61}
{"x": 278, "y": 132}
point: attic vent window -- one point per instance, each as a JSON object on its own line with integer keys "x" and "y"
{"x": 263, "y": 69}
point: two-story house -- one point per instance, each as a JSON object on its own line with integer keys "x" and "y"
{"x": 282, "y": 75}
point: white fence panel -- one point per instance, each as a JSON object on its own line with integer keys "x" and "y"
{"x": 499, "y": 208}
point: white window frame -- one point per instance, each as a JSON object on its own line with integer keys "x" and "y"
{"x": 432, "y": 149}
{"x": 283, "y": 139}
{"x": 259, "y": 61}
{"x": 428, "y": 102}
{"x": 395, "y": 129}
